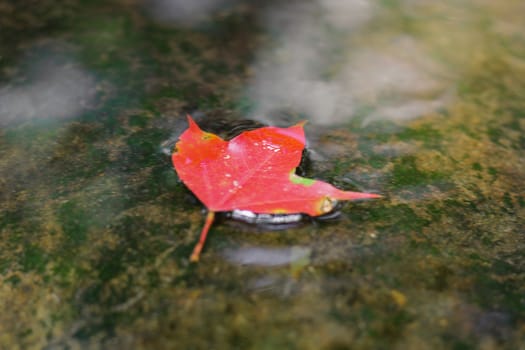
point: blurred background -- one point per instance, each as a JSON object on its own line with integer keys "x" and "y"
{"x": 422, "y": 102}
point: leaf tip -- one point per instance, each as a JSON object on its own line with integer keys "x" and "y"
{"x": 191, "y": 123}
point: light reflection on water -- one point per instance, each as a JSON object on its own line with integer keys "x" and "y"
{"x": 260, "y": 256}
{"x": 440, "y": 252}
{"x": 323, "y": 69}
{"x": 184, "y": 12}
{"x": 48, "y": 85}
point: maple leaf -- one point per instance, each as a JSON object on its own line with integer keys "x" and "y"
{"x": 254, "y": 171}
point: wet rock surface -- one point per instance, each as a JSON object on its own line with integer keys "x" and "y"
{"x": 96, "y": 229}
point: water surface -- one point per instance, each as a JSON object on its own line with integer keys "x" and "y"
{"x": 423, "y": 103}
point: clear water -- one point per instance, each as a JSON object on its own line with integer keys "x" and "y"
{"x": 421, "y": 102}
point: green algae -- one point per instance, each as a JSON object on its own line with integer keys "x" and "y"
{"x": 426, "y": 134}
{"x": 406, "y": 173}
{"x": 75, "y": 223}
{"x": 33, "y": 258}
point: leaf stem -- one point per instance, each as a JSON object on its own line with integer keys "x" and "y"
{"x": 198, "y": 247}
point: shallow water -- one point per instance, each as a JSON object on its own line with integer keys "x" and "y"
{"x": 423, "y": 103}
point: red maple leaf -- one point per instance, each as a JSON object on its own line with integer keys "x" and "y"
{"x": 254, "y": 171}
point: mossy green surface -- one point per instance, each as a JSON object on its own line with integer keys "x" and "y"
{"x": 96, "y": 229}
